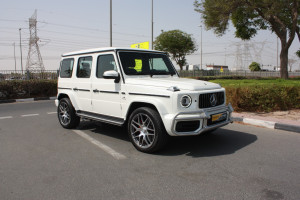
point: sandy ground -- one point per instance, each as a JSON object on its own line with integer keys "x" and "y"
{"x": 286, "y": 117}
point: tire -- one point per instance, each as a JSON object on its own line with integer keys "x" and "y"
{"x": 146, "y": 130}
{"x": 66, "y": 114}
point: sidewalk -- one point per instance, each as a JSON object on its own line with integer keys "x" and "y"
{"x": 283, "y": 120}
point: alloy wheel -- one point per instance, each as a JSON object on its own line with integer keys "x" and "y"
{"x": 64, "y": 113}
{"x": 142, "y": 130}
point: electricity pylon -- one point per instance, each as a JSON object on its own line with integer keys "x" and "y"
{"x": 34, "y": 58}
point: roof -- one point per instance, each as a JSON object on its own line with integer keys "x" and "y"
{"x": 96, "y": 50}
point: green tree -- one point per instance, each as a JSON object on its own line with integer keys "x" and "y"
{"x": 298, "y": 53}
{"x": 249, "y": 16}
{"x": 177, "y": 43}
{"x": 254, "y": 66}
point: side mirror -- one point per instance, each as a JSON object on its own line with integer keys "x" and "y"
{"x": 112, "y": 74}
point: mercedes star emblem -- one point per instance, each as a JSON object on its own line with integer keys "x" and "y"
{"x": 213, "y": 100}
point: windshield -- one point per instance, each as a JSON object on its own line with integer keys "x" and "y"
{"x": 139, "y": 63}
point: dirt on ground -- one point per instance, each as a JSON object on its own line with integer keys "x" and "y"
{"x": 288, "y": 117}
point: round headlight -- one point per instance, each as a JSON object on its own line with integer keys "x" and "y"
{"x": 186, "y": 101}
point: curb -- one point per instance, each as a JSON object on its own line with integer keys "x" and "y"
{"x": 27, "y": 100}
{"x": 268, "y": 124}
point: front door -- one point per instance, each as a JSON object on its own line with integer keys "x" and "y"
{"x": 105, "y": 92}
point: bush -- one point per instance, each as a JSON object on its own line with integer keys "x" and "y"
{"x": 27, "y": 89}
{"x": 244, "y": 95}
{"x": 262, "y": 98}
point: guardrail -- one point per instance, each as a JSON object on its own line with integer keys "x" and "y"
{"x": 27, "y": 75}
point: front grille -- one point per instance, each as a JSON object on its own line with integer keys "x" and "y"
{"x": 206, "y": 100}
{"x": 187, "y": 126}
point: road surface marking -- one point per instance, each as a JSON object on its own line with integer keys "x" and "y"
{"x": 102, "y": 146}
{"x": 29, "y": 115}
{"x": 6, "y": 117}
{"x": 50, "y": 113}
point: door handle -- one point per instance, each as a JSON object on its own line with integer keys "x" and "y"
{"x": 96, "y": 90}
{"x": 75, "y": 89}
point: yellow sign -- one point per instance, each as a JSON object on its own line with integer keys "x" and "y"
{"x": 143, "y": 45}
{"x": 221, "y": 70}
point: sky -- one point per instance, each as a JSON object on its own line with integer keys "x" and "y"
{"x": 69, "y": 25}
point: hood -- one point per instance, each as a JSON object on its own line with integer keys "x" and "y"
{"x": 167, "y": 82}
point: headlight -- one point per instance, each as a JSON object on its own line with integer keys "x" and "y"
{"x": 186, "y": 101}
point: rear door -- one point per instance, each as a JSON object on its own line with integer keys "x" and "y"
{"x": 82, "y": 83}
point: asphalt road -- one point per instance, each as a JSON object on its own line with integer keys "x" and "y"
{"x": 41, "y": 160}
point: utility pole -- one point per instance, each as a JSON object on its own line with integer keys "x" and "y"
{"x": 15, "y": 57}
{"x": 225, "y": 55}
{"x": 110, "y": 23}
{"x": 21, "y": 51}
{"x": 201, "y": 48}
{"x": 152, "y": 26}
{"x": 277, "y": 55}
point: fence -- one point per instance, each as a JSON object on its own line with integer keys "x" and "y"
{"x": 52, "y": 74}
{"x": 27, "y": 75}
{"x": 264, "y": 74}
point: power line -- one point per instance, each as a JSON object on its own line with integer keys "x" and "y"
{"x": 83, "y": 35}
{"x": 12, "y": 20}
{"x": 77, "y": 27}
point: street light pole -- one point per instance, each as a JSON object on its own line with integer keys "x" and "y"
{"x": 277, "y": 55}
{"x": 21, "y": 51}
{"x": 152, "y": 26}
{"x": 15, "y": 58}
{"x": 110, "y": 23}
{"x": 201, "y": 48}
{"x": 225, "y": 55}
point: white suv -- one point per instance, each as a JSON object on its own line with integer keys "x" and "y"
{"x": 139, "y": 89}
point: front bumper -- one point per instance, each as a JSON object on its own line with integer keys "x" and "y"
{"x": 202, "y": 118}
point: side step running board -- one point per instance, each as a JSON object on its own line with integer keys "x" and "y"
{"x": 101, "y": 118}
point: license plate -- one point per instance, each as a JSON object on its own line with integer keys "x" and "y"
{"x": 218, "y": 117}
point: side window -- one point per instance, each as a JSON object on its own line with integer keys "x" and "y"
{"x": 66, "y": 68}
{"x": 84, "y": 67}
{"x": 105, "y": 63}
